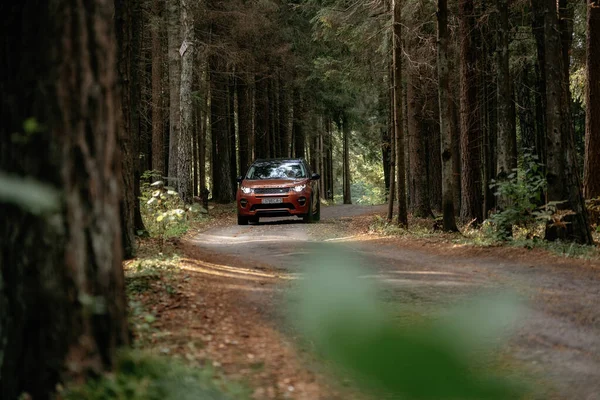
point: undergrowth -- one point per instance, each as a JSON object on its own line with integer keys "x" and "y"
{"x": 139, "y": 376}
{"x": 530, "y": 237}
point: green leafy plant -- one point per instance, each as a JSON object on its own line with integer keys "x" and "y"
{"x": 520, "y": 194}
{"x": 139, "y": 376}
{"x": 438, "y": 359}
{"x": 165, "y": 215}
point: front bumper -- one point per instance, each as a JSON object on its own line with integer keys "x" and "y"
{"x": 292, "y": 204}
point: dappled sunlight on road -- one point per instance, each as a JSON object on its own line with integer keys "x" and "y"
{"x": 229, "y": 271}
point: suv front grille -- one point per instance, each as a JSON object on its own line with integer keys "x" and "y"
{"x": 271, "y": 190}
{"x": 286, "y": 206}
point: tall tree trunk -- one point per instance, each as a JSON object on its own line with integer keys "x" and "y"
{"x": 158, "y": 139}
{"x": 233, "y": 164}
{"x": 128, "y": 18}
{"x": 244, "y": 123}
{"x": 174, "y": 43}
{"x": 526, "y": 115}
{"x": 345, "y": 126}
{"x": 507, "y": 138}
{"x": 62, "y": 299}
{"x": 184, "y": 143}
{"x": 591, "y": 176}
{"x": 470, "y": 143}
{"x": 261, "y": 127}
{"x": 417, "y": 130}
{"x": 537, "y": 25}
{"x": 562, "y": 176}
{"x": 392, "y": 173}
{"x": 398, "y": 132}
{"x": 221, "y": 163}
{"x": 446, "y": 118}
{"x": 298, "y": 126}
{"x": 284, "y": 144}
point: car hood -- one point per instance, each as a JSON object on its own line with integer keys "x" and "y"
{"x": 269, "y": 183}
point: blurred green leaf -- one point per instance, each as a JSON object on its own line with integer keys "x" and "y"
{"x": 337, "y": 310}
{"x": 31, "y": 195}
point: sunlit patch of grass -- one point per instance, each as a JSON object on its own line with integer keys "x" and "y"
{"x": 138, "y": 376}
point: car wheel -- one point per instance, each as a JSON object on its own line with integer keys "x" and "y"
{"x": 308, "y": 218}
{"x": 242, "y": 220}
{"x": 317, "y": 215}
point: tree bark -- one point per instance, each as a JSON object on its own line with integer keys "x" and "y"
{"x": 562, "y": 175}
{"x": 591, "y": 180}
{"x": 244, "y": 123}
{"x": 507, "y": 137}
{"x": 62, "y": 299}
{"x": 398, "y": 132}
{"x": 445, "y": 102}
{"x": 261, "y": 127}
{"x": 158, "y": 139}
{"x": 537, "y": 24}
{"x": 233, "y": 161}
{"x": 418, "y": 189}
{"x": 128, "y": 32}
{"x": 283, "y": 119}
{"x": 298, "y": 126}
{"x": 221, "y": 163}
{"x": 174, "y": 43}
{"x": 470, "y": 143}
{"x": 345, "y": 125}
{"x": 392, "y": 174}
{"x": 186, "y": 111}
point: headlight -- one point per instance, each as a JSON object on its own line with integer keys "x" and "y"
{"x": 299, "y": 188}
{"x": 246, "y": 190}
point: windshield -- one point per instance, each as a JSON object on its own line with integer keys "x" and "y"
{"x": 277, "y": 170}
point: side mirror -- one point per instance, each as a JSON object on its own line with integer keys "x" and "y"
{"x": 315, "y": 177}
{"x": 239, "y": 179}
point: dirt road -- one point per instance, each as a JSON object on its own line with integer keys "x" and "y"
{"x": 558, "y": 340}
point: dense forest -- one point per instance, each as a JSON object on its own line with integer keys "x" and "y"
{"x": 461, "y": 108}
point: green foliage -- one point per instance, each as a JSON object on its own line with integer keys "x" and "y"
{"x": 441, "y": 359}
{"x": 31, "y": 195}
{"x": 139, "y": 376}
{"x": 520, "y": 194}
{"x": 164, "y": 213}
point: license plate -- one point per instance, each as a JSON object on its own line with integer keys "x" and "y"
{"x": 272, "y": 201}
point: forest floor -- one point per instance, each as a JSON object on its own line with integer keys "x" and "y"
{"x": 222, "y": 301}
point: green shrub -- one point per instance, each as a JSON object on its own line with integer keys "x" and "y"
{"x": 520, "y": 194}
{"x": 164, "y": 213}
{"x": 138, "y": 376}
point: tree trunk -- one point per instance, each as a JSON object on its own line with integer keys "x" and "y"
{"x": 392, "y": 173}
{"x": 507, "y": 138}
{"x": 284, "y": 144}
{"x": 62, "y": 299}
{"x": 445, "y": 101}
{"x": 298, "y": 126}
{"x": 398, "y": 132}
{"x": 158, "y": 139}
{"x": 470, "y": 143}
{"x": 345, "y": 125}
{"x": 244, "y": 123}
{"x": 174, "y": 43}
{"x": 261, "y": 127}
{"x": 184, "y": 142}
{"x": 233, "y": 164}
{"x": 221, "y": 173}
{"x": 417, "y": 130}
{"x": 562, "y": 176}
{"x": 537, "y": 25}
{"x": 127, "y": 18}
{"x": 591, "y": 180}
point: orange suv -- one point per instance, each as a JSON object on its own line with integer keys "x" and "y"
{"x": 278, "y": 188}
